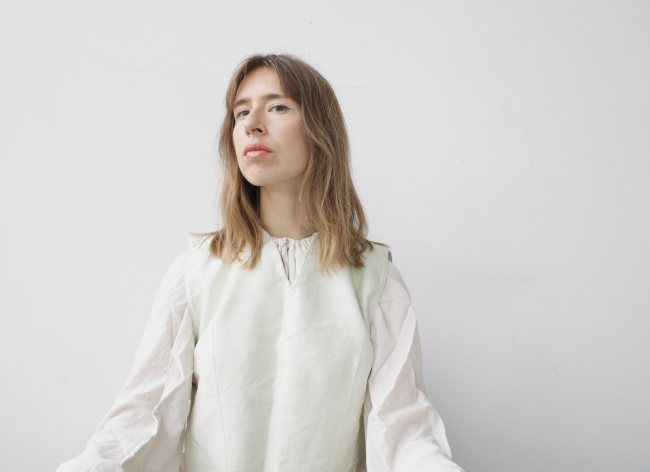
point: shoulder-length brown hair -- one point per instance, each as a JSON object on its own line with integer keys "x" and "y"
{"x": 327, "y": 201}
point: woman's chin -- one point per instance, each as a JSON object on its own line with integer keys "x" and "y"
{"x": 257, "y": 181}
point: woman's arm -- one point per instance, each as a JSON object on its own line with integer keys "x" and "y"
{"x": 403, "y": 430}
{"x": 144, "y": 430}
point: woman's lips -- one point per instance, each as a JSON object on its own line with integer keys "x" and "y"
{"x": 256, "y": 150}
{"x": 256, "y": 154}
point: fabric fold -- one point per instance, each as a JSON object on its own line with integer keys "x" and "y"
{"x": 293, "y": 253}
{"x": 144, "y": 430}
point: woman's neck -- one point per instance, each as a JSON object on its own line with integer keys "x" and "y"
{"x": 279, "y": 212}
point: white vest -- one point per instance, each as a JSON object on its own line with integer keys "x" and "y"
{"x": 280, "y": 369}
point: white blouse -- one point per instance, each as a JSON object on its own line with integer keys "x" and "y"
{"x": 401, "y": 430}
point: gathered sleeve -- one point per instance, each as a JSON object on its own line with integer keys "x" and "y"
{"x": 144, "y": 430}
{"x": 403, "y": 432}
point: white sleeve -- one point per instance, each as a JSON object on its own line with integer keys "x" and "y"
{"x": 144, "y": 430}
{"x": 403, "y": 432}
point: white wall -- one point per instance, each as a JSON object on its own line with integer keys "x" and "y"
{"x": 501, "y": 148}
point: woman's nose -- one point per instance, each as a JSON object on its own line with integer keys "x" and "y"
{"x": 253, "y": 123}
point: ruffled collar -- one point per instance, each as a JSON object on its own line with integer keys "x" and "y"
{"x": 293, "y": 252}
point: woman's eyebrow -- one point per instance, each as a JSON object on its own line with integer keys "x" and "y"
{"x": 268, "y": 96}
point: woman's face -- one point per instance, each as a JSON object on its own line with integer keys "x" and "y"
{"x": 266, "y": 118}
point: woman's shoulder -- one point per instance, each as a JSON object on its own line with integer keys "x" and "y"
{"x": 200, "y": 241}
{"x": 396, "y": 281}
{"x": 178, "y": 265}
{"x": 174, "y": 276}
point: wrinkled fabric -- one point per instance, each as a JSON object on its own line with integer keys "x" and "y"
{"x": 293, "y": 252}
{"x": 145, "y": 428}
{"x": 280, "y": 368}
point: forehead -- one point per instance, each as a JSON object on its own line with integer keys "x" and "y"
{"x": 260, "y": 81}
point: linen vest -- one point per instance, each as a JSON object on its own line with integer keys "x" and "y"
{"x": 280, "y": 369}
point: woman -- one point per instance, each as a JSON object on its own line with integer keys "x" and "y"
{"x": 286, "y": 340}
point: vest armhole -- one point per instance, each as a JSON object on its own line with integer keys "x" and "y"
{"x": 382, "y": 284}
{"x": 193, "y": 243}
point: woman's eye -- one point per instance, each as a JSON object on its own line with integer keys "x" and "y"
{"x": 279, "y": 106}
{"x": 240, "y": 113}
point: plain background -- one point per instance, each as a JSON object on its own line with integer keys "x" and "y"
{"x": 502, "y": 150}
